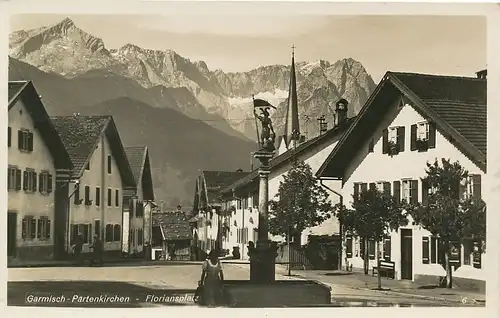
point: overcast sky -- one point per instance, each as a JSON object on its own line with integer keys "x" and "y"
{"x": 423, "y": 44}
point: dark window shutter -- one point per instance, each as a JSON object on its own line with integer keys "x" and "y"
{"x": 349, "y": 246}
{"x": 39, "y": 229}
{"x": 40, "y": 182}
{"x": 396, "y": 186}
{"x": 387, "y": 188}
{"x": 414, "y": 191}
{"x": 476, "y": 186}
{"x": 371, "y": 144}
{"x": 24, "y": 228}
{"x": 413, "y": 137}
{"x": 97, "y": 227}
{"x": 400, "y": 140}
{"x": 87, "y": 195}
{"x": 387, "y": 249}
{"x": 425, "y": 191}
{"x": 433, "y": 249}
{"x": 25, "y": 180}
{"x": 20, "y": 138}
{"x": 33, "y": 228}
{"x": 34, "y": 179}
{"x": 364, "y": 187}
{"x": 18, "y": 179}
{"x": 109, "y": 164}
{"x": 47, "y": 229}
{"x": 86, "y": 233}
{"x": 110, "y": 198}
{"x": 371, "y": 249}
{"x": 49, "y": 183}
{"x": 356, "y": 191}
{"x": 91, "y": 239}
{"x": 425, "y": 250}
{"x": 30, "y": 141}
{"x": 385, "y": 141}
{"x": 432, "y": 135}
{"x": 76, "y": 196}
{"x": 117, "y": 197}
{"x": 97, "y": 196}
{"x": 373, "y": 186}
{"x": 9, "y": 137}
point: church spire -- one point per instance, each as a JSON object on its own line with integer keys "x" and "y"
{"x": 292, "y": 111}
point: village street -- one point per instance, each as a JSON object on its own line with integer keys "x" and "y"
{"x": 177, "y": 280}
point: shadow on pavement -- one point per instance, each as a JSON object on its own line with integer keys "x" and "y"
{"x": 339, "y": 274}
{"x": 94, "y": 294}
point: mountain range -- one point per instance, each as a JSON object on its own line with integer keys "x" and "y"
{"x": 187, "y": 114}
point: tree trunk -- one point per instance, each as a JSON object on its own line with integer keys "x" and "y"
{"x": 379, "y": 278}
{"x": 449, "y": 282}
{"x": 366, "y": 260}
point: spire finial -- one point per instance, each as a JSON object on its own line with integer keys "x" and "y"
{"x": 293, "y": 50}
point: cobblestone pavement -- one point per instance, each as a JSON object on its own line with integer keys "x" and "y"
{"x": 165, "y": 285}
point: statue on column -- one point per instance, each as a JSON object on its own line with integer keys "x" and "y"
{"x": 267, "y": 136}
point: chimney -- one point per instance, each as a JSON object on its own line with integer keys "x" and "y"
{"x": 341, "y": 111}
{"x": 482, "y": 74}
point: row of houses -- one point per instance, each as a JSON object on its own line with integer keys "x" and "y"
{"x": 410, "y": 119}
{"x": 70, "y": 176}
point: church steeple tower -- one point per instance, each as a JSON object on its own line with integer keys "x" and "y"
{"x": 292, "y": 129}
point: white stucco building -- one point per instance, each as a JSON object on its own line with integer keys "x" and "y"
{"x": 426, "y": 117}
{"x": 38, "y": 168}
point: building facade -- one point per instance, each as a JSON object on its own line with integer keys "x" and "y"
{"x": 137, "y": 218}
{"x": 100, "y": 177}
{"x": 37, "y": 164}
{"x": 411, "y": 120}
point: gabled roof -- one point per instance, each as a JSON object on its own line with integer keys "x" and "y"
{"x": 174, "y": 225}
{"x": 25, "y": 91}
{"x": 457, "y": 105}
{"x": 138, "y": 158}
{"x": 81, "y": 136}
{"x": 212, "y": 182}
{"x": 286, "y": 156}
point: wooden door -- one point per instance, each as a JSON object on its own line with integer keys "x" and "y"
{"x": 406, "y": 254}
{"x": 11, "y": 233}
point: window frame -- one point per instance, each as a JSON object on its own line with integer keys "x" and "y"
{"x": 423, "y": 125}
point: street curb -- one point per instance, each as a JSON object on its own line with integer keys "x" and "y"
{"x": 106, "y": 264}
{"x": 415, "y": 296}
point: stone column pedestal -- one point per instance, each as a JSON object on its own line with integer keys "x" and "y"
{"x": 263, "y": 256}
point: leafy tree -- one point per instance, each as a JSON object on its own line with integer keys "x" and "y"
{"x": 447, "y": 213}
{"x": 300, "y": 202}
{"x": 373, "y": 215}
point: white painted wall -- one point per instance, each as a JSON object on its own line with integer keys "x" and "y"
{"x": 372, "y": 167}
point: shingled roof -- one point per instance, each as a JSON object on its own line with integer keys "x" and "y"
{"x": 457, "y": 106}
{"x": 26, "y": 92}
{"x": 138, "y": 158}
{"x": 174, "y": 225}
{"x": 81, "y": 136}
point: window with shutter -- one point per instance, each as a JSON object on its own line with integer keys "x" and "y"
{"x": 47, "y": 229}
{"x": 76, "y": 194}
{"x": 371, "y": 249}
{"x": 110, "y": 198}
{"x": 414, "y": 191}
{"x": 33, "y": 181}
{"x": 433, "y": 249}
{"x": 49, "y": 183}
{"x": 109, "y": 164}
{"x": 24, "y": 228}
{"x": 425, "y": 250}
{"x": 355, "y": 191}
{"x": 348, "y": 250}
{"x": 364, "y": 187}
{"x": 413, "y": 137}
{"x": 97, "y": 227}
{"x": 117, "y": 197}
{"x": 25, "y": 180}
{"x": 109, "y": 233}
{"x": 9, "y": 136}
{"x": 32, "y": 229}
{"x": 396, "y": 186}
{"x": 20, "y": 138}
{"x": 12, "y": 178}
{"x": 18, "y": 179}
{"x": 425, "y": 190}
{"x": 30, "y": 141}
{"x": 400, "y": 138}
{"x": 387, "y": 249}
{"x": 39, "y": 229}
{"x": 385, "y": 141}
{"x": 97, "y": 196}
{"x": 41, "y": 179}
{"x": 86, "y": 238}
{"x": 91, "y": 236}
{"x": 87, "y": 196}
{"x": 432, "y": 135}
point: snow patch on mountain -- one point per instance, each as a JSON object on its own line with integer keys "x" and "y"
{"x": 274, "y": 97}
